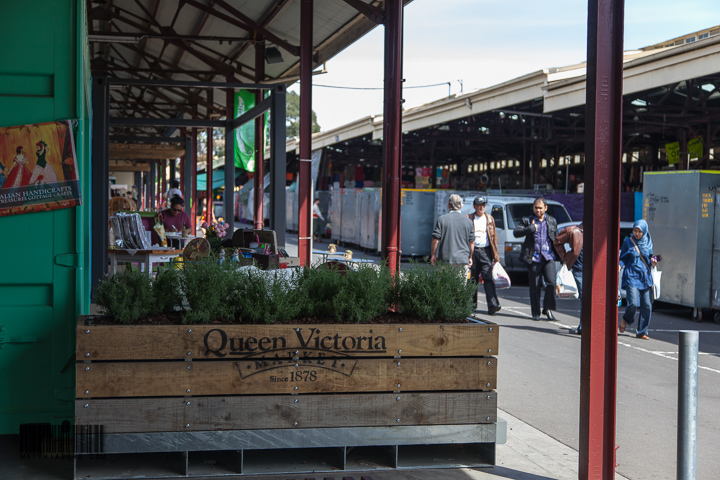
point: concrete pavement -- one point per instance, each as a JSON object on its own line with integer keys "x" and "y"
{"x": 528, "y": 455}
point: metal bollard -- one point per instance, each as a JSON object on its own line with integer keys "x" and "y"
{"x": 687, "y": 405}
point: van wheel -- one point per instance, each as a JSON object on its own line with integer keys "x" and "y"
{"x": 717, "y": 318}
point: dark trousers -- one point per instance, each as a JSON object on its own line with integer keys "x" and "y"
{"x": 482, "y": 267}
{"x": 537, "y": 272}
{"x": 318, "y": 229}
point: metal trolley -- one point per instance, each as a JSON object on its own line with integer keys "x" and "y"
{"x": 683, "y": 214}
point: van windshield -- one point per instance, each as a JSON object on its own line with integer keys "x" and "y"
{"x": 519, "y": 210}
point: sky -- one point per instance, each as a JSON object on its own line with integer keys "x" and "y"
{"x": 474, "y": 44}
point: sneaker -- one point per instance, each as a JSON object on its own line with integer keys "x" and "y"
{"x": 644, "y": 337}
{"x": 494, "y": 310}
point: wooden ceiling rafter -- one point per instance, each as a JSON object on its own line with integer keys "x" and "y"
{"x": 198, "y": 28}
{"x": 156, "y": 62}
{"x": 266, "y": 19}
{"x": 372, "y": 12}
{"x": 222, "y": 67}
{"x": 256, "y": 27}
{"x": 151, "y": 19}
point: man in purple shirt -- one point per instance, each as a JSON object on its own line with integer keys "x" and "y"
{"x": 538, "y": 253}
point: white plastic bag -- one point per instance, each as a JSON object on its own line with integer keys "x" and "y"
{"x": 656, "y": 277}
{"x": 500, "y": 276}
{"x": 565, "y": 286}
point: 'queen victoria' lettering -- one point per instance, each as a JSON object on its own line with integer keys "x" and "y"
{"x": 219, "y": 344}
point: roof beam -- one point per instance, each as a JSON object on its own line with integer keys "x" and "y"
{"x": 168, "y": 122}
{"x": 370, "y": 11}
{"x": 294, "y": 50}
{"x": 136, "y": 139}
{"x": 115, "y": 166}
{"x": 126, "y": 151}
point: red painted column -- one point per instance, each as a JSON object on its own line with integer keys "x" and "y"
{"x": 193, "y": 194}
{"x": 183, "y": 159}
{"x": 259, "y": 190}
{"x": 209, "y": 164}
{"x": 392, "y": 134}
{"x": 304, "y": 176}
{"x": 598, "y": 384}
{"x": 163, "y": 180}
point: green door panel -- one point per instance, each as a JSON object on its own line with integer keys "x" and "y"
{"x": 27, "y": 265}
{"x": 44, "y": 285}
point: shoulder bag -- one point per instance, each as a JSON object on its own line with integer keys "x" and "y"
{"x": 654, "y": 274}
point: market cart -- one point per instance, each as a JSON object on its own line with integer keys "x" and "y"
{"x": 682, "y": 212}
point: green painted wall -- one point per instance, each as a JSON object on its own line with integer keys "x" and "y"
{"x": 44, "y": 282}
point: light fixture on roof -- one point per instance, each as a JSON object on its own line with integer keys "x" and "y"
{"x": 114, "y": 38}
{"x": 272, "y": 55}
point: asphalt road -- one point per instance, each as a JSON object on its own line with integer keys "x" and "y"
{"x": 539, "y": 383}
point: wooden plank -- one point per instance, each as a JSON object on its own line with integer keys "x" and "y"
{"x": 142, "y": 151}
{"x": 320, "y": 375}
{"x": 116, "y": 166}
{"x": 161, "y": 342}
{"x": 252, "y": 412}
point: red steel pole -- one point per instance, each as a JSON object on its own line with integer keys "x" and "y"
{"x": 392, "y": 134}
{"x": 598, "y": 384}
{"x": 192, "y": 194}
{"x": 259, "y": 139}
{"x": 183, "y": 159}
{"x": 209, "y": 165}
{"x": 304, "y": 177}
{"x": 163, "y": 179}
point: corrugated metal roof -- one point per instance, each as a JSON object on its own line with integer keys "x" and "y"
{"x": 206, "y": 40}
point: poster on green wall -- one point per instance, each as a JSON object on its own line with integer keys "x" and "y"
{"x": 38, "y": 168}
{"x": 245, "y": 134}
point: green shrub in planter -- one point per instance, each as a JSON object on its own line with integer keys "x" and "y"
{"x": 266, "y": 297}
{"x": 440, "y": 293}
{"x": 126, "y": 296}
{"x": 317, "y": 287}
{"x": 364, "y": 294}
{"x": 167, "y": 290}
{"x": 224, "y": 292}
{"x": 209, "y": 289}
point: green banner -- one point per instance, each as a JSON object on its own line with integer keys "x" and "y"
{"x": 245, "y": 134}
{"x": 673, "y": 152}
{"x": 695, "y": 147}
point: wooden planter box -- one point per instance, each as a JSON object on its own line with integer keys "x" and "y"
{"x": 248, "y": 389}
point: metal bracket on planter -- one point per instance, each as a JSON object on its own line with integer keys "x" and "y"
{"x": 4, "y": 339}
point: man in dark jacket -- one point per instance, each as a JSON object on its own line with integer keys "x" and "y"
{"x": 538, "y": 253}
{"x": 572, "y": 259}
{"x": 485, "y": 254}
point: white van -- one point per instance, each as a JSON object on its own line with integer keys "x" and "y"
{"x": 507, "y": 212}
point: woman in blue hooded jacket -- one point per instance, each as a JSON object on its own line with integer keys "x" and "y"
{"x": 637, "y": 257}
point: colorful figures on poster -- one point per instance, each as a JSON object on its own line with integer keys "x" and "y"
{"x": 18, "y": 175}
{"x": 43, "y": 173}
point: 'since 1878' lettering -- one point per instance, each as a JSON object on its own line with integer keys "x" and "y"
{"x": 301, "y": 376}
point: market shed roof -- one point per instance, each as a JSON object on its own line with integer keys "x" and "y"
{"x": 663, "y": 87}
{"x": 209, "y": 40}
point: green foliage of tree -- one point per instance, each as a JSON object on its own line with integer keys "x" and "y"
{"x": 292, "y": 116}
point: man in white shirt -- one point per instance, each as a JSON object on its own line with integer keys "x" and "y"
{"x": 173, "y": 191}
{"x": 485, "y": 253}
{"x": 318, "y": 221}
